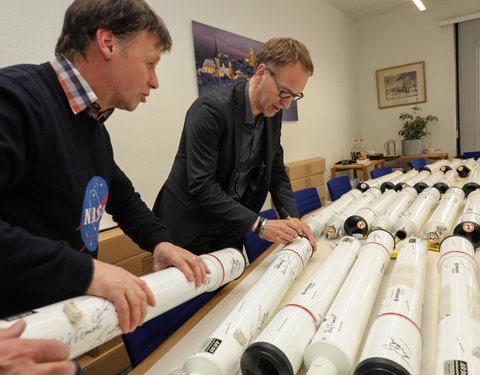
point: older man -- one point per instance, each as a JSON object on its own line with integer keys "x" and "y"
{"x": 57, "y": 172}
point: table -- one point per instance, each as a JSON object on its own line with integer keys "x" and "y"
{"x": 355, "y": 167}
{"x": 440, "y": 156}
{"x": 382, "y": 162}
{"x": 190, "y": 337}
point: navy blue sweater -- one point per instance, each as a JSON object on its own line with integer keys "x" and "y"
{"x": 57, "y": 177}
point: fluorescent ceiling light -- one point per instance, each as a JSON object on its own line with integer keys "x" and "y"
{"x": 419, "y": 5}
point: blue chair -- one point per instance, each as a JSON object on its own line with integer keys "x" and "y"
{"x": 471, "y": 154}
{"x": 254, "y": 245}
{"x": 338, "y": 186}
{"x": 307, "y": 200}
{"x": 375, "y": 173}
{"x": 417, "y": 163}
{"x": 146, "y": 338}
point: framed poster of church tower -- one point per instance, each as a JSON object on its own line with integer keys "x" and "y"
{"x": 223, "y": 58}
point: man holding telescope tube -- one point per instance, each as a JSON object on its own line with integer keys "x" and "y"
{"x": 58, "y": 175}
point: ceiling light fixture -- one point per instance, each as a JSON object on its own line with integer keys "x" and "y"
{"x": 419, "y": 5}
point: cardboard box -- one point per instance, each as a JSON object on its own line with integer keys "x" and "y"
{"x": 310, "y": 181}
{"x": 139, "y": 265}
{"x": 111, "y": 362}
{"x": 115, "y": 246}
{"x": 304, "y": 168}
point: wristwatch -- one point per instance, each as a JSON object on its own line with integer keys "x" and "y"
{"x": 260, "y": 227}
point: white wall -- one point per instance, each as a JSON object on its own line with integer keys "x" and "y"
{"x": 145, "y": 141}
{"x": 401, "y": 37}
{"x": 329, "y": 101}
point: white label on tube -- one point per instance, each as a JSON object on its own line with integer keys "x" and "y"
{"x": 454, "y": 367}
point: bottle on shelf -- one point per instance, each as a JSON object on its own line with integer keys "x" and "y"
{"x": 354, "y": 151}
{"x": 363, "y": 150}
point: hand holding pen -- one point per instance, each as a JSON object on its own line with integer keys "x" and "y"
{"x": 286, "y": 230}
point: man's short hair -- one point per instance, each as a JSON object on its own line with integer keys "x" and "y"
{"x": 282, "y": 51}
{"x": 124, "y": 18}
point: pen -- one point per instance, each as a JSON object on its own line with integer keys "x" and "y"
{"x": 285, "y": 213}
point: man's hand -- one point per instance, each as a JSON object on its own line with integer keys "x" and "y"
{"x": 32, "y": 356}
{"x": 127, "y": 292}
{"x": 285, "y": 231}
{"x": 307, "y": 231}
{"x": 167, "y": 254}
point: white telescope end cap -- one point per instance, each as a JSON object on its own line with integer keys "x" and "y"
{"x": 202, "y": 363}
{"x": 326, "y": 358}
{"x": 73, "y": 313}
{"x": 316, "y": 224}
{"x": 322, "y": 366}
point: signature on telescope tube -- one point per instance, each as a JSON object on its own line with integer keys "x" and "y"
{"x": 331, "y": 324}
{"x": 398, "y": 349}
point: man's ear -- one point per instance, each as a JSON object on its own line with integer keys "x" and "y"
{"x": 261, "y": 71}
{"x": 105, "y": 43}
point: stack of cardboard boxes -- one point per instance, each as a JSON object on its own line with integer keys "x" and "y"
{"x": 118, "y": 249}
{"x": 308, "y": 173}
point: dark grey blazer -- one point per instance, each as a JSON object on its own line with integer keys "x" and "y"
{"x": 196, "y": 193}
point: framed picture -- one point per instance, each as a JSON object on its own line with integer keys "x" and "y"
{"x": 223, "y": 58}
{"x": 401, "y": 85}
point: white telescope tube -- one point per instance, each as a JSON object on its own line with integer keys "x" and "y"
{"x": 444, "y": 184}
{"x": 393, "y": 211}
{"x": 469, "y": 222}
{"x": 465, "y": 167}
{"x": 441, "y": 221}
{"x": 435, "y": 177}
{"x": 394, "y": 342}
{"x": 391, "y": 183}
{"x": 220, "y": 355}
{"x": 403, "y": 181}
{"x": 318, "y": 221}
{"x": 473, "y": 182}
{"x": 376, "y": 182}
{"x": 86, "y": 322}
{"x": 420, "y": 176}
{"x": 335, "y": 223}
{"x": 281, "y": 344}
{"x": 360, "y": 221}
{"x": 416, "y": 215}
{"x": 452, "y": 165}
{"x": 458, "y": 337}
{"x": 334, "y": 347}
{"x": 434, "y": 167}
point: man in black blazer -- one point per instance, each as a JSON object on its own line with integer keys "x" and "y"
{"x": 230, "y": 157}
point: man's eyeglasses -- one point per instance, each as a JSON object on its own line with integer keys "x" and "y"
{"x": 284, "y": 94}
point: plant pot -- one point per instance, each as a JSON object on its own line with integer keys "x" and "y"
{"x": 412, "y": 147}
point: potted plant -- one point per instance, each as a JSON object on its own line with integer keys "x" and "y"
{"x": 413, "y": 130}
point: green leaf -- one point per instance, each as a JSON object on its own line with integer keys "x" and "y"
{"x": 415, "y": 126}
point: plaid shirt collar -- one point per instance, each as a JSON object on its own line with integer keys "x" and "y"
{"x": 79, "y": 93}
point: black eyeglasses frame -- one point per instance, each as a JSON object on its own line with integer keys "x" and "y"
{"x": 284, "y": 94}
